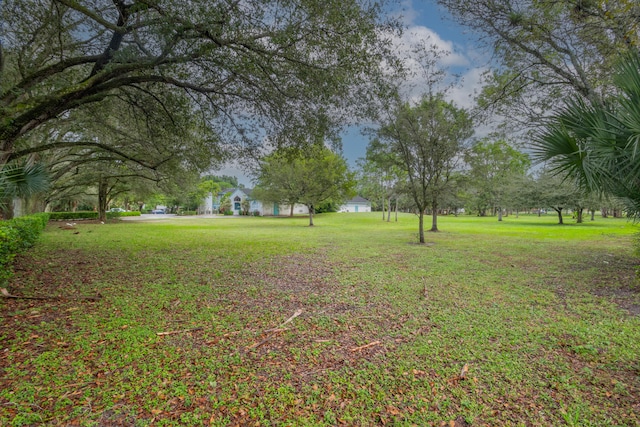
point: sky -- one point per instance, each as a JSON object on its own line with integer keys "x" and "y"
{"x": 424, "y": 20}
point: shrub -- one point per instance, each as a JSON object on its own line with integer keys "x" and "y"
{"x": 228, "y": 213}
{"x": 111, "y": 215}
{"x": 88, "y": 215}
{"x": 16, "y": 235}
{"x": 185, "y": 213}
{"x": 73, "y": 215}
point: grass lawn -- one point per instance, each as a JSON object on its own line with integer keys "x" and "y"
{"x": 518, "y": 323}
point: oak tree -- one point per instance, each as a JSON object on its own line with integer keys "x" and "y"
{"x": 428, "y": 139}
{"x": 312, "y": 177}
{"x": 248, "y": 68}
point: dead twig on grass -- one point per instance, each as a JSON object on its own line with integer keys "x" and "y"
{"x": 463, "y": 374}
{"x": 273, "y": 333}
{"x": 182, "y": 331}
{"x": 362, "y": 347}
{"x": 296, "y": 314}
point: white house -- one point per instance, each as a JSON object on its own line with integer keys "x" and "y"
{"x": 357, "y": 204}
{"x": 239, "y": 195}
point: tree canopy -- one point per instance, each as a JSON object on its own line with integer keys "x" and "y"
{"x": 245, "y": 67}
{"x": 428, "y": 140}
{"x": 493, "y": 165}
{"x": 313, "y": 177}
{"x": 548, "y": 49}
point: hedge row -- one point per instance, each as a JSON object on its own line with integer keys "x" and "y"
{"x": 88, "y": 215}
{"x": 16, "y": 235}
{"x": 119, "y": 214}
{"x": 73, "y": 215}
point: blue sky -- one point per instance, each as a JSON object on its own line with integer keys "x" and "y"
{"x": 424, "y": 20}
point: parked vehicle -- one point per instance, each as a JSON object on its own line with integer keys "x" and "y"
{"x": 158, "y": 211}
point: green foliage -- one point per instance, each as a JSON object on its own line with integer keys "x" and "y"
{"x": 548, "y": 50}
{"x": 17, "y": 235}
{"x": 111, "y": 215}
{"x": 223, "y": 181}
{"x": 55, "y": 216}
{"x": 598, "y": 145}
{"x": 493, "y": 166}
{"x": 327, "y": 207}
{"x": 427, "y": 142}
{"x": 225, "y": 204}
{"x": 300, "y": 61}
{"x": 313, "y": 177}
{"x": 21, "y": 179}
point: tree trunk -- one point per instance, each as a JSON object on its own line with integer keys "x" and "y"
{"x": 310, "y": 215}
{"x": 102, "y": 199}
{"x": 396, "y": 209}
{"x": 434, "y": 217}
{"x": 559, "y": 210}
{"x": 291, "y": 213}
{"x": 593, "y": 214}
{"x": 421, "y": 226}
{"x": 389, "y": 210}
{"x": 579, "y": 215}
{"x": 7, "y": 212}
{"x": 605, "y": 212}
{"x": 499, "y": 214}
{"x": 383, "y": 201}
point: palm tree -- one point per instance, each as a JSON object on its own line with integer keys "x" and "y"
{"x": 19, "y": 180}
{"x": 599, "y": 145}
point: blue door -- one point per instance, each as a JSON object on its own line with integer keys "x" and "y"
{"x": 356, "y": 208}
{"x": 276, "y": 209}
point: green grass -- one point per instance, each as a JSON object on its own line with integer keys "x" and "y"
{"x": 546, "y": 318}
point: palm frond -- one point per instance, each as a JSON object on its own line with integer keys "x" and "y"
{"x": 21, "y": 180}
{"x": 599, "y": 145}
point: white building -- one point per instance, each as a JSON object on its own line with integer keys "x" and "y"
{"x": 357, "y": 204}
{"x": 239, "y": 196}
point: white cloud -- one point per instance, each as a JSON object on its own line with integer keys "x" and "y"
{"x": 469, "y": 86}
{"x": 418, "y": 35}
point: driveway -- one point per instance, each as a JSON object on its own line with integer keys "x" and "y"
{"x": 155, "y": 217}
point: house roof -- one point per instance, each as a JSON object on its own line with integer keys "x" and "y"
{"x": 358, "y": 199}
{"x": 230, "y": 190}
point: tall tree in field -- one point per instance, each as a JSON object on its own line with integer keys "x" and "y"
{"x": 392, "y": 176}
{"x": 551, "y": 191}
{"x": 371, "y": 183}
{"x": 313, "y": 177}
{"x": 429, "y": 140}
{"x": 599, "y": 146}
{"x": 247, "y": 67}
{"x": 492, "y": 166}
{"x": 548, "y": 49}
